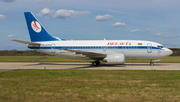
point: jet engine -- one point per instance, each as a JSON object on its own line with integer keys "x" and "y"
{"x": 115, "y": 59}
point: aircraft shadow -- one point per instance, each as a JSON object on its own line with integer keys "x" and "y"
{"x": 102, "y": 65}
{"x": 76, "y": 65}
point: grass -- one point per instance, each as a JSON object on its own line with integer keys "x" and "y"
{"x": 170, "y": 59}
{"x": 89, "y": 85}
{"x": 35, "y": 59}
{"x": 20, "y": 58}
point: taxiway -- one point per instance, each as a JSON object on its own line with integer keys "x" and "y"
{"x": 127, "y": 66}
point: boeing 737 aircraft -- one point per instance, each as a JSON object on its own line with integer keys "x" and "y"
{"x": 110, "y": 51}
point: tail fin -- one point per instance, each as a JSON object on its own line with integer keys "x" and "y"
{"x": 36, "y": 30}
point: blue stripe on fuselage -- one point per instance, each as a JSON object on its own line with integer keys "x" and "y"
{"x": 93, "y": 47}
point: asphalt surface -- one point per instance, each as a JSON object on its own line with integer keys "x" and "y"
{"x": 127, "y": 66}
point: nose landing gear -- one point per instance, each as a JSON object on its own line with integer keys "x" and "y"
{"x": 152, "y": 63}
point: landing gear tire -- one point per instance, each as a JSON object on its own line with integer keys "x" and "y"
{"x": 95, "y": 63}
{"x": 151, "y": 63}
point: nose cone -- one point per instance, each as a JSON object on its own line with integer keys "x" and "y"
{"x": 166, "y": 52}
{"x": 170, "y": 52}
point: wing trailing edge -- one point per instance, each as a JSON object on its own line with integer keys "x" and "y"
{"x": 93, "y": 55}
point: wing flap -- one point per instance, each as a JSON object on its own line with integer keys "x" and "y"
{"x": 93, "y": 55}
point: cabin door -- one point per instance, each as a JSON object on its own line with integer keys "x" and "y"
{"x": 53, "y": 48}
{"x": 149, "y": 47}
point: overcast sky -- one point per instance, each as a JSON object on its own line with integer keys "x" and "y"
{"x": 153, "y": 20}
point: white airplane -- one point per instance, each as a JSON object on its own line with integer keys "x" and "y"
{"x": 110, "y": 51}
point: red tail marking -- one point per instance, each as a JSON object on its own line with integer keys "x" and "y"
{"x": 35, "y": 25}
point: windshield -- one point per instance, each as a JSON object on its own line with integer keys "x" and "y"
{"x": 160, "y": 46}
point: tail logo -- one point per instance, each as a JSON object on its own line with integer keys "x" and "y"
{"x": 36, "y": 26}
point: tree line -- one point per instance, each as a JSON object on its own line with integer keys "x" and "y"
{"x": 176, "y": 52}
{"x": 20, "y": 53}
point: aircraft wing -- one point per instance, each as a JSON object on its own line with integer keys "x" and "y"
{"x": 93, "y": 55}
{"x": 25, "y": 42}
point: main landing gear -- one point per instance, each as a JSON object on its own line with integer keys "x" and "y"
{"x": 96, "y": 63}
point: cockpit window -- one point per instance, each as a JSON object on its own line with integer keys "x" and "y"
{"x": 159, "y": 46}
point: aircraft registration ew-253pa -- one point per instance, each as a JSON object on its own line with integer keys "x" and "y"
{"x": 110, "y": 51}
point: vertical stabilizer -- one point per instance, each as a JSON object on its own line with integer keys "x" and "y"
{"x": 36, "y": 30}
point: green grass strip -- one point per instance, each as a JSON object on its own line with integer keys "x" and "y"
{"x": 170, "y": 59}
{"x": 89, "y": 85}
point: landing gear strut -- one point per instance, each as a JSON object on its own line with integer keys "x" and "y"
{"x": 96, "y": 63}
{"x": 152, "y": 63}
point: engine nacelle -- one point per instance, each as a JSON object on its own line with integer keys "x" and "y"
{"x": 115, "y": 59}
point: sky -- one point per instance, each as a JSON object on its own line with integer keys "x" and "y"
{"x": 152, "y": 20}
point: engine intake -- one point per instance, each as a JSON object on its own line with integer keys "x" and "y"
{"x": 115, "y": 59}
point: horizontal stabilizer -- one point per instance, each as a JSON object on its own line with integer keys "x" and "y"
{"x": 25, "y": 42}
